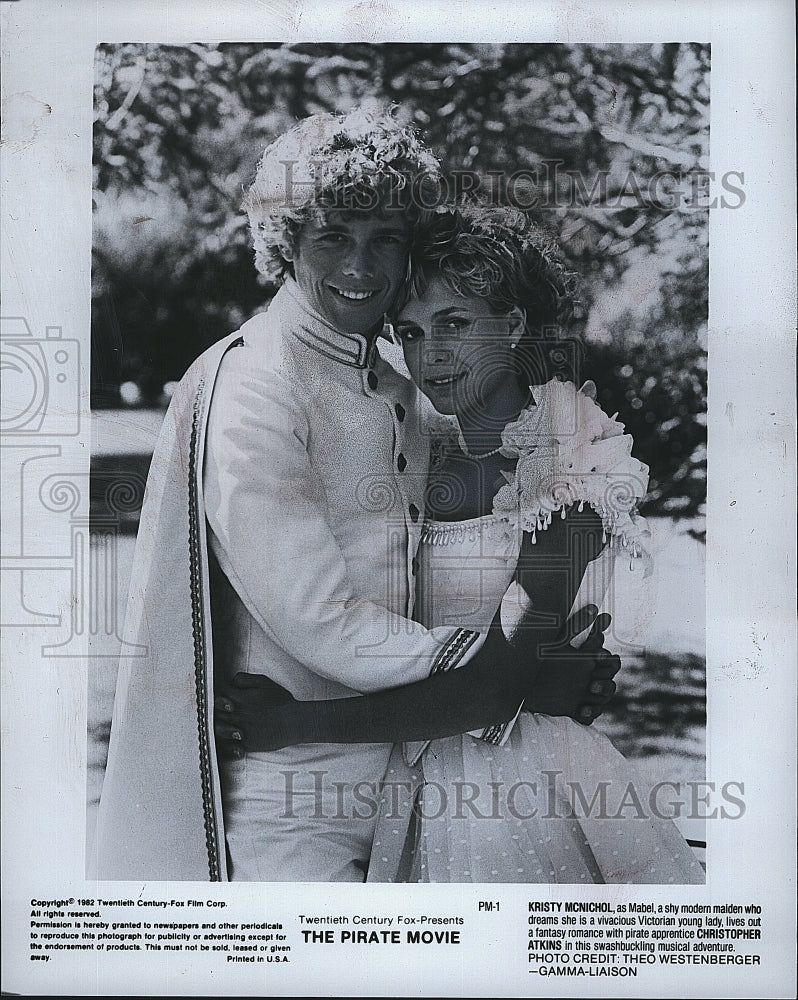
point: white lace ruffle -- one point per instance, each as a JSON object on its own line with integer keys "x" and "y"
{"x": 570, "y": 452}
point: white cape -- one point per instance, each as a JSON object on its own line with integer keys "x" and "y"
{"x": 160, "y": 814}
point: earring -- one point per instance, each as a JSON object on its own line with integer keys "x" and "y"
{"x": 517, "y": 318}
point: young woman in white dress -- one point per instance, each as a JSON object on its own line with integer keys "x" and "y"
{"x": 531, "y": 500}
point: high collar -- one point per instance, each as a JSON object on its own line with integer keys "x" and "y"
{"x": 308, "y": 326}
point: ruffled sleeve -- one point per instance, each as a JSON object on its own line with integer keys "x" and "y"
{"x": 570, "y": 452}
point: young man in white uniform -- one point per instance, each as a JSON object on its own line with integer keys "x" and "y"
{"x": 305, "y": 459}
{"x": 314, "y": 481}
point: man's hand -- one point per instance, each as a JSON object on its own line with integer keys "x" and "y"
{"x": 241, "y": 719}
{"x": 571, "y": 682}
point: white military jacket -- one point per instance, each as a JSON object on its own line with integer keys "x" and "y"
{"x": 293, "y": 459}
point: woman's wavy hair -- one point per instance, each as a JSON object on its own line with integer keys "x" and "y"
{"x": 499, "y": 254}
{"x": 364, "y": 161}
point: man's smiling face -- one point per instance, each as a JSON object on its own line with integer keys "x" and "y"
{"x": 352, "y": 265}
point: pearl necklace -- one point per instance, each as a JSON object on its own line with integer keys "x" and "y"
{"x": 464, "y": 448}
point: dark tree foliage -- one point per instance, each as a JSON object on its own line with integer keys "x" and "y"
{"x": 602, "y": 144}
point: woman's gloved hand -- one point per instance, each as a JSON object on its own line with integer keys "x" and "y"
{"x": 574, "y": 682}
{"x": 242, "y": 720}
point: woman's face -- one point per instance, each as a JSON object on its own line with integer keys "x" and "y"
{"x": 459, "y": 350}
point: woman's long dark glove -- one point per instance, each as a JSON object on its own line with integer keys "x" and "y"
{"x": 256, "y": 714}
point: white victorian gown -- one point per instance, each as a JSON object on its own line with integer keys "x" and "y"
{"x": 554, "y": 801}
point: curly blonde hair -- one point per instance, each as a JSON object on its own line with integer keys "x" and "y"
{"x": 361, "y": 161}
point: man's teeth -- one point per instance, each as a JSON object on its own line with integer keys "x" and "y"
{"x": 443, "y": 381}
{"x": 356, "y": 296}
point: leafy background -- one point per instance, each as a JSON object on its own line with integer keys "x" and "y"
{"x": 178, "y": 132}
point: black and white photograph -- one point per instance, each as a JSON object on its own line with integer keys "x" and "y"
{"x": 399, "y": 452}
{"x": 528, "y": 226}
